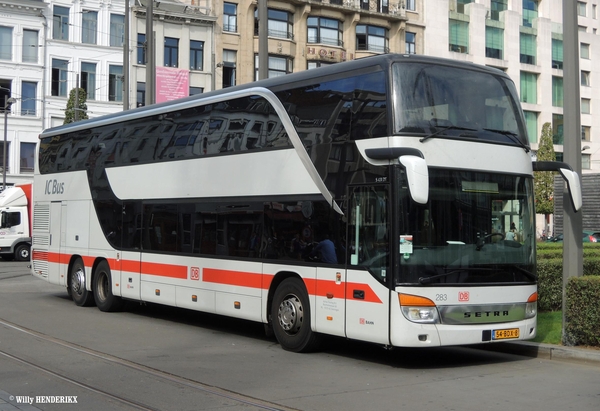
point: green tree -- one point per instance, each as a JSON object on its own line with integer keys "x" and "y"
{"x": 544, "y": 180}
{"x": 73, "y": 113}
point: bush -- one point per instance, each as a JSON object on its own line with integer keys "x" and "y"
{"x": 583, "y": 311}
{"x": 550, "y": 282}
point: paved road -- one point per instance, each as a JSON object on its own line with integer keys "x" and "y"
{"x": 161, "y": 358}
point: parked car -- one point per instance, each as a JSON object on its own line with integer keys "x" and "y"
{"x": 588, "y": 237}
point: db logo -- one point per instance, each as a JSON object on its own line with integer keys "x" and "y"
{"x": 463, "y": 296}
{"x": 194, "y": 273}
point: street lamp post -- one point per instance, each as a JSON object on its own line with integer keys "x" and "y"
{"x": 7, "y": 102}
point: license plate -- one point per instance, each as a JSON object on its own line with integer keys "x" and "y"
{"x": 505, "y": 334}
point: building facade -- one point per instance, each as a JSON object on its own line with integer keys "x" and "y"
{"x": 48, "y": 47}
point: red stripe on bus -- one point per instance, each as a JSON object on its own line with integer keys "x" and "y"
{"x": 321, "y": 288}
{"x": 229, "y": 277}
{"x": 164, "y": 270}
{"x": 326, "y": 288}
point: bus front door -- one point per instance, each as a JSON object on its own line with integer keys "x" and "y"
{"x": 367, "y": 296}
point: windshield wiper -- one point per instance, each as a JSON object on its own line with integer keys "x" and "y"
{"x": 527, "y": 273}
{"x": 513, "y": 136}
{"x": 445, "y": 128}
{"x": 425, "y": 280}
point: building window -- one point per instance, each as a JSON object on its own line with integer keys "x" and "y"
{"x": 278, "y": 66}
{"x": 585, "y": 78}
{"x": 586, "y": 132}
{"x": 28, "y": 98}
{"x": 117, "y": 30}
{"x": 30, "y": 46}
{"x": 230, "y": 17}
{"x": 494, "y": 42}
{"x": 528, "y": 87}
{"x": 372, "y": 38}
{"x": 141, "y": 94}
{"x": 6, "y": 43}
{"x": 410, "y": 5}
{"x": 60, "y": 23}
{"x": 196, "y": 90}
{"x": 27, "y": 157}
{"x": 141, "y": 48}
{"x": 316, "y": 64}
{"x": 530, "y": 12}
{"x": 383, "y": 6}
{"x": 557, "y": 91}
{"x": 528, "y": 49}
{"x": 88, "y": 79}
{"x": 584, "y": 52}
{"x": 171, "y": 52}
{"x": 7, "y": 155}
{"x": 89, "y": 27}
{"x": 5, "y": 92}
{"x": 59, "y": 77}
{"x": 581, "y": 9}
{"x": 557, "y": 54}
{"x": 410, "y": 39}
{"x": 586, "y": 106}
{"x": 531, "y": 124}
{"x": 115, "y": 83}
{"x": 586, "y": 161}
{"x": 325, "y": 31}
{"x": 496, "y": 7}
{"x": 364, "y": 4}
{"x": 557, "y": 129}
{"x": 196, "y": 55}
{"x": 460, "y": 5}
{"x": 280, "y": 24}
{"x": 459, "y": 36}
{"x": 229, "y": 68}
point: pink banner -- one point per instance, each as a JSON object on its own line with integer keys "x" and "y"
{"x": 171, "y": 83}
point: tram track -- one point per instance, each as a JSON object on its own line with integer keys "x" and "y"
{"x": 162, "y": 375}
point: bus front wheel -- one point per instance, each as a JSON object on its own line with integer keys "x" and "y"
{"x": 291, "y": 317}
{"x": 80, "y": 295}
{"x": 102, "y": 285}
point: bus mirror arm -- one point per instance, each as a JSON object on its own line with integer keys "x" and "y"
{"x": 414, "y": 163}
{"x": 417, "y": 176}
{"x": 571, "y": 178}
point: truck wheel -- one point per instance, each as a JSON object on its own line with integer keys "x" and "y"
{"x": 102, "y": 285}
{"x": 79, "y": 294}
{"x": 291, "y": 317}
{"x": 22, "y": 252}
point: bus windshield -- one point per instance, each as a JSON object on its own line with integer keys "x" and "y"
{"x": 476, "y": 228}
{"x": 456, "y": 103}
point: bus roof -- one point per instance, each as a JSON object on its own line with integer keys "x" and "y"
{"x": 378, "y": 61}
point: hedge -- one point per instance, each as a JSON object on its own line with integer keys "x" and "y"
{"x": 583, "y": 311}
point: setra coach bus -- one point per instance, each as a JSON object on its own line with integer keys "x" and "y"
{"x": 371, "y": 199}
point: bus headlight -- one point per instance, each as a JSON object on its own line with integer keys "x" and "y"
{"x": 531, "y": 306}
{"x": 418, "y": 309}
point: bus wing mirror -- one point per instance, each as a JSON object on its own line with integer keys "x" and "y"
{"x": 574, "y": 187}
{"x": 417, "y": 176}
{"x": 571, "y": 177}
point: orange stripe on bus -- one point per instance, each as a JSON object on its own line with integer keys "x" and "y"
{"x": 238, "y": 278}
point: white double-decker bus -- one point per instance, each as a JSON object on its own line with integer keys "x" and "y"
{"x": 371, "y": 200}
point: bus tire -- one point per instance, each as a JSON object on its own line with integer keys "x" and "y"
{"x": 290, "y": 313}
{"x": 102, "y": 285}
{"x": 80, "y": 295}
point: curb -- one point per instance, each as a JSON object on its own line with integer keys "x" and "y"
{"x": 547, "y": 351}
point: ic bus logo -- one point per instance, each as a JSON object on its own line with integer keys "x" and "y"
{"x": 194, "y": 273}
{"x": 463, "y": 296}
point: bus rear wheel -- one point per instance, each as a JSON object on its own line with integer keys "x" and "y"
{"x": 102, "y": 285}
{"x": 290, "y": 312}
{"x": 80, "y": 295}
